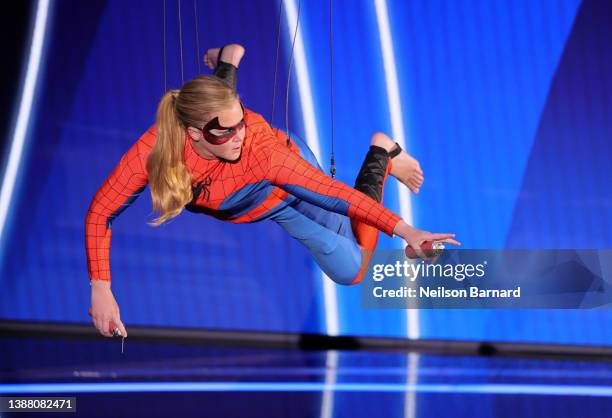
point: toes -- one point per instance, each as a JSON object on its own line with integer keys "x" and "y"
{"x": 414, "y": 188}
{"x": 415, "y": 184}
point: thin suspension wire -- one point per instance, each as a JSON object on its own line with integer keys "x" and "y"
{"x": 165, "y": 71}
{"x": 332, "y": 169}
{"x": 297, "y": 23}
{"x": 181, "y": 41}
{"x": 197, "y": 34}
{"x": 278, "y": 31}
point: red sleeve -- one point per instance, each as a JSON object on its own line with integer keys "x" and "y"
{"x": 125, "y": 183}
{"x": 292, "y": 173}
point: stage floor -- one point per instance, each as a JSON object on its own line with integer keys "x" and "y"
{"x": 156, "y": 379}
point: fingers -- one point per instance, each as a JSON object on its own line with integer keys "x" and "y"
{"x": 452, "y": 241}
{"x": 121, "y": 327}
{"x": 440, "y": 237}
{"x": 208, "y": 62}
{"x": 116, "y": 328}
{"x": 103, "y": 326}
{"x": 107, "y": 325}
{"x": 419, "y": 252}
{"x": 448, "y": 238}
{"x": 98, "y": 322}
{"x": 115, "y": 324}
{"x": 211, "y": 57}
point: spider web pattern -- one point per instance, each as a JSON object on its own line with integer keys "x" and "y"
{"x": 265, "y": 160}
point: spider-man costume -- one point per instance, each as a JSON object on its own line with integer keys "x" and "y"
{"x": 271, "y": 180}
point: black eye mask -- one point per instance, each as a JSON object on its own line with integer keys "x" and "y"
{"x": 221, "y": 139}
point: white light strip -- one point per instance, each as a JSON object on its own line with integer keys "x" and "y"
{"x": 591, "y": 391}
{"x": 331, "y": 378}
{"x": 412, "y": 375}
{"x": 23, "y": 116}
{"x": 312, "y": 138}
{"x": 397, "y": 127}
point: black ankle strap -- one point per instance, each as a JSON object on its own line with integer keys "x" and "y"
{"x": 395, "y": 151}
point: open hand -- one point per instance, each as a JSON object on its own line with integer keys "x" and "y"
{"x": 415, "y": 237}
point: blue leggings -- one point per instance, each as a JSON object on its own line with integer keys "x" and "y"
{"x": 328, "y": 236}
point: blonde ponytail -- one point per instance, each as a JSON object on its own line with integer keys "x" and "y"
{"x": 169, "y": 178}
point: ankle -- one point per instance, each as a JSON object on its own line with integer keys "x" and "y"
{"x": 383, "y": 141}
{"x": 378, "y": 149}
{"x": 397, "y": 149}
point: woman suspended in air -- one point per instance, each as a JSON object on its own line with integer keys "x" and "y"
{"x": 209, "y": 154}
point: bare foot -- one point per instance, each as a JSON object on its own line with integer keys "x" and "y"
{"x": 408, "y": 171}
{"x": 403, "y": 166}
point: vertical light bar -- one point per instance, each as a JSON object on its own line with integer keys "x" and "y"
{"x": 331, "y": 378}
{"x": 412, "y": 380}
{"x": 20, "y": 130}
{"x": 312, "y": 138}
{"x": 397, "y": 127}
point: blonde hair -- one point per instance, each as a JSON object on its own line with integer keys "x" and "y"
{"x": 169, "y": 179}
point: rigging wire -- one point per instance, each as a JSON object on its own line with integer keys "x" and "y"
{"x": 278, "y": 31}
{"x": 297, "y": 23}
{"x": 164, "y": 31}
{"x": 197, "y": 34}
{"x": 332, "y": 169}
{"x": 181, "y": 42}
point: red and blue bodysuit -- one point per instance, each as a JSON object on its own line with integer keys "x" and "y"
{"x": 270, "y": 180}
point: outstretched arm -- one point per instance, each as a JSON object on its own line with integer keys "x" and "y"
{"x": 295, "y": 175}
{"x": 125, "y": 183}
{"x": 121, "y": 188}
{"x": 287, "y": 170}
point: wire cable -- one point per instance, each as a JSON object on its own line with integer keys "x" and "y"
{"x": 278, "y": 31}
{"x": 297, "y": 23}
{"x": 197, "y": 34}
{"x": 181, "y": 42}
{"x": 164, "y": 31}
{"x": 332, "y": 169}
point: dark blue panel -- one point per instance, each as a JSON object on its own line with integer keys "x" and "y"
{"x": 505, "y": 105}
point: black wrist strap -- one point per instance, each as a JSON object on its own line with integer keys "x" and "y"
{"x": 395, "y": 151}
{"x": 219, "y": 56}
{"x": 226, "y": 71}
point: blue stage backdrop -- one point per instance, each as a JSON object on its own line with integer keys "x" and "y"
{"x": 505, "y": 104}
